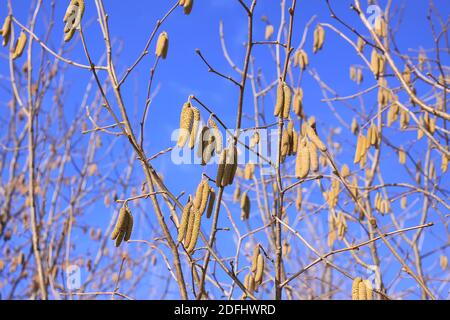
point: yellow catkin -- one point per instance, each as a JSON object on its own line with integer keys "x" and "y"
{"x": 345, "y": 171}
{"x": 162, "y": 45}
{"x": 331, "y": 227}
{"x": 205, "y": 196}
{"x": 375, "y": 62}
{"x": 312, "y": 135}
{"x": 20, "y": 45}
{"x": 268, "y": 32}
{"x": 369, "y": 290}
{"x": 297, "y": 104}
{"x": 237, "y": 193}
{"x": 362, "y": 291}
{"x": 255, "y": 258}
{"x": 195, "y": 231}
{"x": 212, "y": 199}
{"x": 259, "y": 270}
{"x": 72, "y": 18}
{"x": 352, "y": 73}
{"x": 359, "y": 76}
{"x": 232, "y": 158}
{"x": 184, "y": 221}
{"x": 319, "y": 37}
{"x": 373, "y": 135}
{"x": 401, "y": 156}
{"x": 287, "y": 92}
{"x": 120, "y": 224}
{"x": 360, "y": 44}
{"x": 249, "y": 171}
{"x": 342, "y": 226}
{"x": 190, "y": 227}
{"x": 285, "y": 145}
{"x": 313, "y": 156}
{"x": 195, "y": 124}
{"x": 303, "y": 59}
{"x": 294, "y": 142}
{"x": 355, "y": 288}
{"x": 188, "y": 4}
{"x": 403, "y": 202}
{"x": 443, "y": 262}
{"x": 298, "y": 199}
{"x": 354, "y": 126}
{"x": 245, "y": 206}
{"x": 217, "y": 135}
{"x": 444, "y": 163}
{"x": 6, "y": 31}
{"x": 302, "y": 161}
{"x": 198, "y": 194}
{"x": 279, "y": 104}
{"x": 221, "y": 168}
{"x": 186, "y": 117}
{"x": 380, "y": 27}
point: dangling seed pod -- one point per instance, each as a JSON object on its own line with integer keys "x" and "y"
{"x": 245, "y": 206}
{"x": 319, "y": 37}
{"x": 194, "y": 130}
{"x": 162, "y": 45}
{"x": 280, "y": 100}
{"x": 186, "y": 118}
{"x": 302, "y": 161}
{"x": 20, "y": 45}
{"x": 6, "y": 30}
{"x": 269, "y": 31}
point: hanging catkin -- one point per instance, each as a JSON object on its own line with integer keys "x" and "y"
{"x": 20, "y": 45}
{"x": 123, "y": 227}
{"x": 190, "y": 227}
{"x": 186, "y": 118}
{"x": 217, "y": 135}
{"x": 268, "y": 32}
{"x": 184, "y": 220}
{"x": 195, "y": 124}
{"x": 259, "y": 270}
{"x": 212, "y": 199}
{"x": 287, "y": 92}
{"x": 314, "y": 156}
{"x": 319, "y": 37}
{"x": 187, "y": 4}
{"x": 302, "y": 161}
{"x": 195, "y": 230}
{"x": 312, "y": 135}
{"x": 6, "y": 30}
{"x": 162, "y": 45}
{"x": 279, "y": 104}
{"x": 221, "y": 168}
{"x": 72, "y": 18}
{"x": 245, "y": 206}
{"x": 298, "y": 103}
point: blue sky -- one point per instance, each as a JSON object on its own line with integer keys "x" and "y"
{"x": 183, "y": 73}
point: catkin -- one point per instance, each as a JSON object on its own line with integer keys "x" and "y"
{"x": 188, "y": 4}
{"x": 297, "y": 104}
{"x": 249, "y": 171}
{"x": 302, "y": 59}
{"x": 245, "y": 206}
{"x": 6, "y": 30}
{"x": 255, "y": 258}
{"x": 355, "y": 288}
{"x": 124, "y": 226}
{"x": 186, "y": 117}
{"x": 184, "y": 221}
{"x": 212, "y": 199}
{"x": 237, "y": 193}
{"x": 254, "y": 140}
{"x": 345, "y": 171}
{"x": 319, "y": 37}
{"x": 444, "y": 163}
{"x": 298, "y": 199}
{"x": 217, "y": 135}
{"x": 195, "y": 124}
{"x": 162, "y": 45}
{"x": 312, "y": 135}
{"x": 195, "y": 231}
{"x": 314, "y": 156}
{"x": 221, "y": 168}
{"x": 279, "y": 104}
{"x": 401, "y": 156}
{"x": 120, "y": 224}
{"x": 75, "y": 13}
{"x": 230, "y": 166}
{"x": 190, "y": 227}
{"x": 269, "y": 31}
{"x": 360, "y": 44}
{"x": 403, "y": 202}
{"x": 287, "y": 92}
{"x": 20, "y": 45}
{"x": 302, "y": 161}
{"x": 443, "y": 262}
{"x": 259, "y": 270}
{"x": 354, "y": 127}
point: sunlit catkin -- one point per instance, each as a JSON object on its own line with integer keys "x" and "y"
{"x": 190, "y": 226}
{"x": 355, "y": 288}
{"x": 221, "y": 168}
{"x": 259, "y": 270}
{"x": 162, "y": 45}
{"x": 186, "y": 117}
{"x": 297, "y": 103}
{"x": 255, "y": 258}
{"x": 298, "y": 199}
{"x": 268, "y": 32}
{"x": 303, "y": 61}
{"x": 444, "y": 163}
{"x": 245, "y": 206}
{"x": 195, "y": 231}
{"x": 314, "y": 156}
{"x": 319, "y": 37}
{"x": 195, "y": 124}
{"x": 217, "y": 135}
{"x": 20, "y": 45}
{"x": 187, "y": 4}
{"x": 6, "y": 30}
{"x": 279, "y": 104}
{"x": 312, "y": 135}
{"x": 302, "y": 161}
{"x": 287, "y": 92}
{"x": 401, "y": 156}
{"x": 184, "y": 221}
